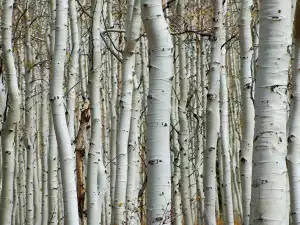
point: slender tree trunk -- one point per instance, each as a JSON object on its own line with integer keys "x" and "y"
{"x": 52, "y": 175}
{"x": 247, "y": 107}
{"x": 94, "y": 93}
{"x": 212, "y": 119}
{"x": 73, "y": 71}
{"x": 29, "y": 119}
{"x": 133, "y": 147}
{"x": 293, "y": 156}
{"x": 133, "y": 28}
{"x": 57, "y": 105}
{"x": 44, "y": 127}
{"x": 12, "y": 118}
{"x": 80, "y": 153}
{"x": 183, "y": 123}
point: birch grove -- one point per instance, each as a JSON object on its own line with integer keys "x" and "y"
{"x": 149, "y": 112}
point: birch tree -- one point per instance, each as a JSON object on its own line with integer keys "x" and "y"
{"x": 224, "y": 117}
{"x": 158, "y": 115}
{"x": 212, "y": 119}
{"x": 269, "y": 203}
{"x": 293, "y": 157}
{"x": 183, "y": 122}
{"x": 133, "y": 32}
{"x": 59, "y": 118}
{"x": 29, "y": 118}
{"x": 247, "y": 106}
{"x": 95, "y": 159}
{"x": 73, "y": 71}
{"x": 13, "y": 114}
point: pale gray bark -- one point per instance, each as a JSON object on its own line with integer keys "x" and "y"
{"x": 133, "y": 28}
{"x": 29, "y": 131}
{"x": 212, "y": 119}
{"x": 95, "y": 161}
{"x": 247, "y": 106}
{"x": 183, "y": 122}
{"x": 158, "y": 115}
{"x": 293, "y": 156}
{"x": 269, "y": 179}
{"x": 176, "y": 198}
{"x": 12, "y": 118}
{"x": 134, "y": 165}
{"x": 73, "y": 71}
{"x": 57, "y": 106}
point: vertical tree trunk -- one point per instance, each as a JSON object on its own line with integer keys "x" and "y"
{"x": 44, "y": 127}
{"x": 212, "y": 119}
{"x": 183, "y": 122}
{"x": 80, "y": 153}
{"x": 133, "y": 28}
{"x": 52, "y": 175}
{"x": 57, "y": 105}
{"x": 269, "y": 179}
{"x": 133, "y": 147}
{"x": 94, "y": 93}
{"x": 29, "y": 131}
{"x": 158, "y": 117}
{"x": 224, "y": 117}
{"x": 73, "y": 71}
{"x": 293, "y": 156}
{"x": 247, "y": 106}
{"x": 13, "y": 115}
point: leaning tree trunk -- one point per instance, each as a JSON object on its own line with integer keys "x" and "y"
{"x": 293, "y": 156}
{"x": 58, "y": 111}
{"x": 212, "y": 119}
{"x": 12, "y": 118}
{"x": 269, "y": 179}
{"x": 158, "y": 115}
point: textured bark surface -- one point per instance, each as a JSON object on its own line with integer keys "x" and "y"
{"x": 212, "y": 119}
{"x": 269, "y": 200}
{"x": 293, "y": 156}
{"x": 247, "y": 106}
{"x": 80, "y": 154}
{"x": 158, "y": 115}
{"x": 12, "y": 118}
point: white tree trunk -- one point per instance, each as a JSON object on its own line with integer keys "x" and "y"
{"x": 44, "y": 127}
{"x": 183, "y": 123}
{"x": 133, "y": 147}
{"x": 226, "y": 185}
{"x": 247, "y": 106}
{"x": 158, "y": 115}
{"x": 224, "y": 117}
{"x": 269, "y": 178}
{"x": 176, "y": 198}
{"x": 133, "y": 28}
{"x": 73, "y": 73}
{"x": 13, "y": 115}
{"x": 29, "y": 131}
{"x": 293, "y": 156}
{"x": 52, "y": 175}
{"x": 57, "y": 106}
{"x": 95, "y": 103}
{"x": 212, "y": 119}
